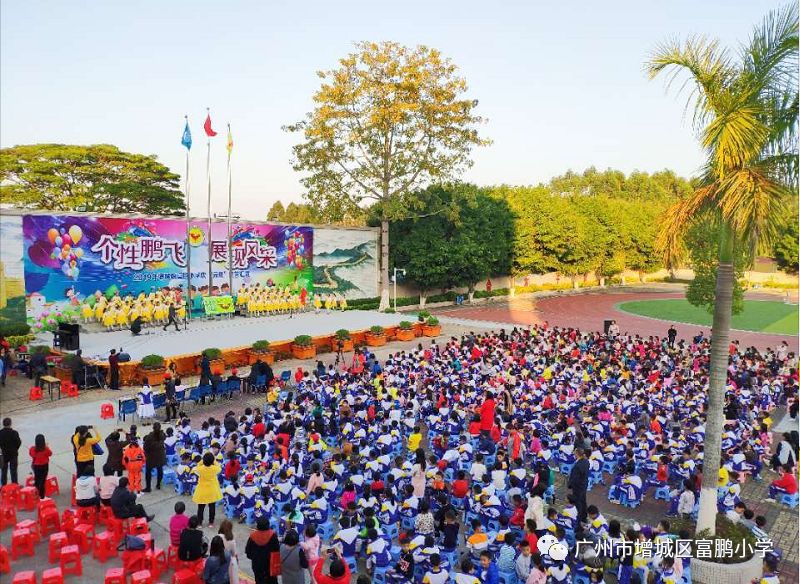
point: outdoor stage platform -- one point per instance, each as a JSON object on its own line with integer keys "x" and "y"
{"x": 226, "y": 333}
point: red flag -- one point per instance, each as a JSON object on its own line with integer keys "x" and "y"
{"x": 207, "y": 127}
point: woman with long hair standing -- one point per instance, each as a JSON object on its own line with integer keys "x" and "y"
{"x": 40, "y": 462}
{"x": 226, "y": 532}
{"x": 207, "y": 491}
{"x": 217, "y": 564}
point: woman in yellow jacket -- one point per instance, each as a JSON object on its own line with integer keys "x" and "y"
{"x": 83, "y": 442}
{"x": 207, "y": 491}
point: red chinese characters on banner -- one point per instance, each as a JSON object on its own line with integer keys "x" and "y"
{"x": 265, "y": 256}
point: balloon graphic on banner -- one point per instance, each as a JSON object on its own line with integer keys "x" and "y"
{"x": 75, "y": 233}
{"x": 52, "y": 233}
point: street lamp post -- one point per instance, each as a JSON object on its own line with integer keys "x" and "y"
{"x": 394, "y": 281}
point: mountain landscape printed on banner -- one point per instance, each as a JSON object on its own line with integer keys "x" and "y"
{"x": 345, "y": 262}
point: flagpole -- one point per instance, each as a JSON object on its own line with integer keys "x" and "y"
{"x": 188, "y": 245}
{"x": 230, "y": 242}
{"x": 210, "y": 240}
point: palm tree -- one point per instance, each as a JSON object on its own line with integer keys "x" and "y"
{"x": 745, "y": 113}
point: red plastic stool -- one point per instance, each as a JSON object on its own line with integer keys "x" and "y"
{"x": 31, "y": 526}
{"x": 49, "y": 521}
{"x": 115, "y": 576}
{"x": 133, "y": 561}
{"x": 53, "y": 576}
{"x": 83, "y": 537}
{"x": 9, "y": 494}
{"x": 51, "y": 486}
{"x": 68, "y": 521}
{"x": 185, "y": 577}
{"x": 28, "y": 498}
{"x": 8, "y": 516}
{"x": 157, "y": 561}
{"x": 106, "y": 411}
{"x": 104, "y": 546}
{"x": 26, "y": 577}
{"x": 172, "y": 556}
{"x": 57, "y": 541}
{"x": 117, "y": 528}
{"x": 35, "y": 393}
{"x": 5, "y": 560}
{"x": 142, "y": 577}
{"x": 138, "y": 526}
{"x": 21, "y": 543}
{"x": 87, "y": 515}
{"x": 46, "y": 503}
{"x": 71, "y": 560}
{"x": 105, "y": 514}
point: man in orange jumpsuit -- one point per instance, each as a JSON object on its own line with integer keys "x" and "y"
{"x": 133, "y": 461}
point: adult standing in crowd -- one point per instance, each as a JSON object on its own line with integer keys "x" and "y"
{"x": 263, "y": 550}
{"x": 9, "y": 448}
{"x": 487, "y": 415}
{"x": 217, "y": 566}
{"x": 38, "y": 367}
{"x": 114, "y": 444}
{"x": 205, "y": 370}
{"x": 578, "y": 482}
{"x": 83, "y": 442}
{"x": 155, "y": 456}
{"x": 294, "y": 564}
{"x": 113, "y": 370}
{"x": 338, "y": 571}
{"x": 207, "y": 491}
{"x": 40, "y": 463}
{"x": 171, "y": 401}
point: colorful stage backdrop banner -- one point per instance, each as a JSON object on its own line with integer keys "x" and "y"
{"x": 68, "y": 258}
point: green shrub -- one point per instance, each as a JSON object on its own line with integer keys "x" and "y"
{"x": 261, "y": 346}
{"x": 423, "y": 314}
{"x": 389, "y": 311}
{"x": 740, "y": 537}
{"x": 18, "y": 340}
{"x": 376, "y": 330}
{"x": 405, "y": 325}
{"x": 14, "y": 329}
{"x": 152, "y": 362}
{"x": 343, "y": 334}
{"x": 432, "y": 321}
{"x": 212, "y": 353}
{"x": 303, "y": 340}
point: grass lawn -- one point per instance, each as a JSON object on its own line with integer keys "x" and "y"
{"x": 758, "y": 315}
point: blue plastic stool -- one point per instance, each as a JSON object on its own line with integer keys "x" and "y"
{"x": 609, "y": 466}
{"x": 379, "y": 576}
{"x": 508, "y": 577}
{"x": 170, "y": 476}
{"x": 565, "y": 467}
{"x": 789, "y": 500}
{"x": 407, "y": 523}
{"x": 352, "y": 563}
{"x": 663, "y": 493}
{"x": 325, "y": 531}
{"x": 391, "y": 531}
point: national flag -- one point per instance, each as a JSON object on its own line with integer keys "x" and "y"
{"x": 186, "y": 139}
{"x": 229, "y": 145}
{"x": 207, "y": 127}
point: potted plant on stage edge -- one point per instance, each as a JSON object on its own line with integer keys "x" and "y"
{"x": 260, "y": 351}
{"x": 376, "y": 336}
{"x": 341, "y": 340}
{"x": 303, "y": 347}
{"x": 405, "y": 331}
{"x": 153, "y": 367}
{"x": 217, "y": 362}
{"x": 431, "y": 328}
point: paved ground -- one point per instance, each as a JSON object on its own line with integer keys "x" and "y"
{"x": 58, "y": 419}
{"x": 227, "y": 333}
{"x": 588, "y": 311}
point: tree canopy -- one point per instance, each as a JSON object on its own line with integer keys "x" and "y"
{"x": 99, "y": 178}
{"x": 442, "y": 250}
{"x": 387, "y": 122}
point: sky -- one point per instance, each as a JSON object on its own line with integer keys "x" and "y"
{"x": 561, "y": 82}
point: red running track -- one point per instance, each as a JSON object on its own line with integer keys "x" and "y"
{"x": 587, "y": 312}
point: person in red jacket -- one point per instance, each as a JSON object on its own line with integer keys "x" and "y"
{"x": 40, "y": 461}
{"x": 786, "y": 483}
{"x": 338, "y": 572}
{"x": 487, "y": 414}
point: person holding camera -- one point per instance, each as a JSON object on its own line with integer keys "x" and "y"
{"x": 338, "y": 570}
{"x": 83, "y": 442}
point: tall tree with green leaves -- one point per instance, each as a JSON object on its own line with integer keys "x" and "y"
{"x": 745, "y": 112}
{"x": 388, "y": 121}
{"x": 100, "y": 178}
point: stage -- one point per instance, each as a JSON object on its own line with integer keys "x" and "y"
{"x": 225, "y": 333}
